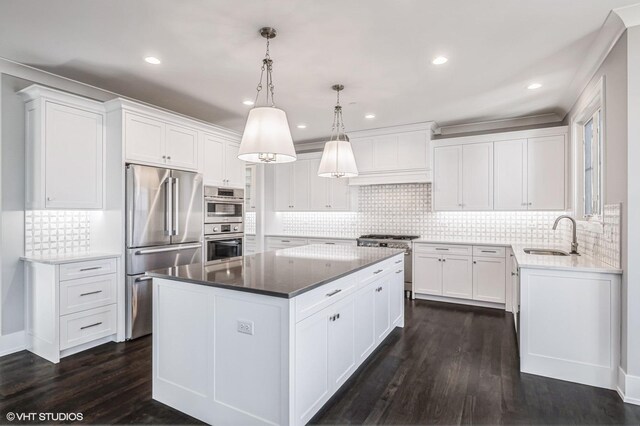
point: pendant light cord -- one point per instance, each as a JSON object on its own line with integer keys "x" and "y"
{"x": 267, "y": 64}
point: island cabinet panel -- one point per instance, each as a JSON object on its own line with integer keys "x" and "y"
{"x": 397, "y": 295}
{"x": 365, "y": 337}
{"x": 382, "y": 302}
{"x": 342, "y": 359}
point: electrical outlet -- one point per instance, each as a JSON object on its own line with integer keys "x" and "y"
{"x": 245, "y": 327}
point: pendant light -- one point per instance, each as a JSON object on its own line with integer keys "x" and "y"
{"x": 337, "y": 158}
{"x": 267, "y": 137}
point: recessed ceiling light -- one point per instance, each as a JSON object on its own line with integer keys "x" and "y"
{"x": 439, "y": 60}
{"x": 534, "y": 86}
{"x": 152, "y": 60}
{"x": 248, "y": 102}
{"x": 370, "y": 116}
{"x": 302, "y": 126}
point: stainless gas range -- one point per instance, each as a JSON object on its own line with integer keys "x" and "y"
{"x": 393, "y": 241}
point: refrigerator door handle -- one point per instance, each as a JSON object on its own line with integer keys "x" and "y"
{"x": 166, "y": 249}
{"x": 140, "y": 279}
{"x": 175, "y": 199}
{"x": 168, "y": 207}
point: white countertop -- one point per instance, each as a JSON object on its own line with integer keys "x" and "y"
{"x": 567, "y": 263}
{"x": 68, "y": 258}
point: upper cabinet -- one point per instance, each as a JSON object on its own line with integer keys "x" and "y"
{"x": 400, "y": 154}
{"x": 221, "y": 164}
{"x": 525, "y": 170}
{"x": 160, "y": 138}
{"x": 65, "y": 145}
{"x": 297, "y": 187}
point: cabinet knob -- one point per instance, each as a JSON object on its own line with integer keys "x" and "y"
{"x": 164, "y": 157}
{"x": 168, "y": 157}
{"x": 50, "y": 198}
{"x": 474, "y": 262}
{"x": 529, "y": 203}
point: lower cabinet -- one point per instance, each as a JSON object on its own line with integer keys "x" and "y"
{"x": 333, "y": 342}
{"x": 277, "y": 243}
{"x": 474, "y": 273}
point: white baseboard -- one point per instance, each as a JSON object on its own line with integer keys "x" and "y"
{"x": 458, "y": 301}
{"x": 14, "y": 342}
{"x": 628, "y": 387}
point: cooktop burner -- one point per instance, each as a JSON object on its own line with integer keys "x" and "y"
{"x": 389, "y": 237}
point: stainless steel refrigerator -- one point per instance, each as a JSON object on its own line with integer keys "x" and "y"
{"x": 164, "y": 229}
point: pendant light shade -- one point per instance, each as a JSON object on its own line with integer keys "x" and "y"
{"x": 267, "y": 136}
{"x": 337, "y": 158}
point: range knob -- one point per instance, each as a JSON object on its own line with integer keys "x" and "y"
{"x": 235, "y": 228}
{"x": 215, "y": 229}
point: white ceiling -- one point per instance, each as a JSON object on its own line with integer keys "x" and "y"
{"x": 381, "y": 50}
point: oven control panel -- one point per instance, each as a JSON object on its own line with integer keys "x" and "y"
{"x": 223, "y": 228}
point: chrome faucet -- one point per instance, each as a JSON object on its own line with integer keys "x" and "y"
{"x": 574, "y": 243}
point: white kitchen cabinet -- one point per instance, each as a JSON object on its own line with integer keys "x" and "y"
{"x": 489, "y": 279}
{"x": 277, "y": 243}
{"x": 546, "y": 173}
{"x": 399, "y": 154}
{"x": 396, "y": 297}
{"x": 321, "y": 194}
{"x": 70, "y": 306}
{"x": 332, "y": 241}
{"x": 221, "y": 164}
{"x": 457, "y": 279}
{"x": 447, "y": 193}
{"x": 382, "y": 304}
{"x": 510, "y": 175}
{"x": 291, "y": 186}
{"x": 365, "y": 332}
{"x": 64, "y": 148}
{"x": 427, "y": 273}
{"x": 319, "y": 187}
{"x": 250, "y": 188}
{"x": 477, "y": 176}
{"x": 342, "y": 357}
{"x": 153, "y": 141}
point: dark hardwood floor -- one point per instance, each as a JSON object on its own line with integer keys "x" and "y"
{"x": 450, "y": 365}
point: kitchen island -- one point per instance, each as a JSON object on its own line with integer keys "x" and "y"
{"x": 269, "y": 338}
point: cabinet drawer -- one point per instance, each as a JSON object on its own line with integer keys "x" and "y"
{"x": 376, "y": 271}
{"x": 286, "y": 241}
{"x": 317, "y": 299}
{"x": 444, "y": 249}
{"x": 87, "y": 293}
{"x": 90, "y": 268}
{"x": 332, "y": 242}
{"x": 83, "y": 327}
{"x": 488, "y": 251}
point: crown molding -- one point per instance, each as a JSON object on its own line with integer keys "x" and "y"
{"x": 630, "y": 15}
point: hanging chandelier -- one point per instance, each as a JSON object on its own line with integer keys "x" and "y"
{"x": 337, "y": 158}
{"x": 267, "y": 137}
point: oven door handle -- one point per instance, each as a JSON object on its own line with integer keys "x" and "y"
{"x": 229, "y": 243}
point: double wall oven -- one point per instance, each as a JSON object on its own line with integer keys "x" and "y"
{"x": 223, "y": 223}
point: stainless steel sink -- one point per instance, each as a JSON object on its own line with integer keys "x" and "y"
{"x": 545, "y": 252}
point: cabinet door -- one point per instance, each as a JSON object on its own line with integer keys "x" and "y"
{"x": 382, "y": 302}
{"x": 396, "y": 298}
{"x": 312, "y": 384}
{"x": 413, "y": 150}
{"x": 282, "y": 186}
{"x": 234, "y": 167}
{"x": 427, "y": 273}
{"x": 489, "y": 279}
{"x": 74, "y": 143}
{"x": 510, "y": 175}
{"x": 385, "y": 153}
{"x": 144, "y": 140}
{"x": 448, "y": 178}
{"x": 250, "y": 188}
{"x": 213, "y": 160}
{"x": 318, "y": 187}
{"x": 546, "y": 173}
{"x": 300, "y": 180}
{"x": 363, "y": 153}
{"x": 342, "y": 359}
{"x": 339, "y": 194}
{"x": 477, "y": 176}
{"x": 457, "y": 278}
{"x": 181, "y": 147}
{"x": 365, "y": 334}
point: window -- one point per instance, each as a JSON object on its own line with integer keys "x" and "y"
{"x": 592, "y": 143}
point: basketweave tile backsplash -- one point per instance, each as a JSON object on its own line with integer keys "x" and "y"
{"x": 56, "y": 232}
{"x": 406, "y": 209}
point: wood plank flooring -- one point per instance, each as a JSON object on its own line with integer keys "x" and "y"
{"x": 451, "y": 364}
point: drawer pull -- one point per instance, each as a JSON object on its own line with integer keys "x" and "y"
{"x": 378, "y": 271}
{"x": 331, "y": 244}
{"x": 398, "y": 271}
{"x": 442, "y": 249}
{"x": 334, "y": 292}
{"x": 488, "y": 251}
{"x": 90, "y": 269}
{"x": 92, "y": 325}
{"x": 285, "y": 241}
{"x": 398, "y": 261}
{"x": 379, "y": 289}
{"x": 91, "y": 292}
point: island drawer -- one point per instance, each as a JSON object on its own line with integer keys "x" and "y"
{"x": 378, "y": 270}
{"x": 86, "y": 326}
{"x": 90, "y": 268}
{"x": 87, "y": 293}
{"x": 485, "y": 251}
{"x": 457, "y": 250}
{"x": 317, "y": 299}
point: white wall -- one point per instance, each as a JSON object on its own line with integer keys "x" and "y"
{"x": 614, "y": 70}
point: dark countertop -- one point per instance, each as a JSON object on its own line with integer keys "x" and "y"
{"x": 283, "y": 273}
